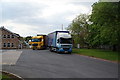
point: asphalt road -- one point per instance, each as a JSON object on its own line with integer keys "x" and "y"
{"x": 46, "y": 64}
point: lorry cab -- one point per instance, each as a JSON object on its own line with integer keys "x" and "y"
{"x": 38, "y": 42}
{"x": 64, "y": 42}
{"x": 60, "y": 41}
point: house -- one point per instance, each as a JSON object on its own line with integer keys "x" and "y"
{"x": 9, "y": 40}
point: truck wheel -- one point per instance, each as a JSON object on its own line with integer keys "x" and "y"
{"x": 57, "y": 50}
{"x": 50, "y": 49}
{"x": 69, "y": 52}
{"x": 33, "y": 48}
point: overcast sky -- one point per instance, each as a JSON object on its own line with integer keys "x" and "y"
{"x": 32, "y": 17}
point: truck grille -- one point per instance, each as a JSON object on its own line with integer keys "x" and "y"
{"x": 34, "y": 44}
{"x": 66, "y": 49}
{"x": 65, "y": 46}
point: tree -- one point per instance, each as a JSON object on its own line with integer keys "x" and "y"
{"x": 28, "y": 38}
{"x": 105, "y": 28}
{"x": 79, "y": 29}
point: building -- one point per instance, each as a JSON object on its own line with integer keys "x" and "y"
{"x": 9, "y": 40}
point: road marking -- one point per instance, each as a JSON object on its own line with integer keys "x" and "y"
{"x": 6, "y": 63}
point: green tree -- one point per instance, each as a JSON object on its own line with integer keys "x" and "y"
{"x": 79, "y": 29}
{"x": 28, "y": 38}
{"x": 105, "y": 28}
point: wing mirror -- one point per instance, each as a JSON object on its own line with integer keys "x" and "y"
{"x": 58, "y": 41}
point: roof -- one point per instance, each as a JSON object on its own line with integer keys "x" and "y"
{"x": 59, "y": 31}
{"x": 3, "y": 28}
{"x": 37, "y": 37}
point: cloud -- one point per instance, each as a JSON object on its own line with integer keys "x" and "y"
{"x": 49, "y": 1}
{"x": 15, "y": 10}
{"x": 40, "y": 16}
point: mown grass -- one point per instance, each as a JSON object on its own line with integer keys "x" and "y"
{"x": 0, "y": 76}
{"x": 5, "y": 77}
{"x": 103, "y": 54}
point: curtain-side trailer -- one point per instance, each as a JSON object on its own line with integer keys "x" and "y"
{"x": 60, "y": 41}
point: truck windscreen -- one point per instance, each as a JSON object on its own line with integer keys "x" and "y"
{"x": 66, "y": 40}
{"x": 36, "y": 40}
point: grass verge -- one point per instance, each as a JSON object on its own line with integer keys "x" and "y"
{"x": 0, "y": 76}
{"x": 103, "y": 54}
{"x": 5, "y": 77}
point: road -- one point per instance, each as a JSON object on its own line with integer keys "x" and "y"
{"x": 46, "y": 64}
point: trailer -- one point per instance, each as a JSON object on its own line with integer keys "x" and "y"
{"x": 60, "y": 41}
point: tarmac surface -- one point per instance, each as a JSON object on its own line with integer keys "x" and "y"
{"x": 10, "y": 57}
{"x": 46, "y": 64}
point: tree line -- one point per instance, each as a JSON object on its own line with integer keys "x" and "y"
{"x": 101, "y": 29}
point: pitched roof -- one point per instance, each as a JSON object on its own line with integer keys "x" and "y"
{"x": 3, "y": 28}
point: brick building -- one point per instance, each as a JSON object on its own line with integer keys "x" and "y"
{"x": 8, "y": 39}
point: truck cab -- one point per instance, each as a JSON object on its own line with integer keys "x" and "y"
{"x": 60, "y": 41}
{"x": 38, "y": 42}
{"x": 64, "y": 42}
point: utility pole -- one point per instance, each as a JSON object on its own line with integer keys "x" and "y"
{"x": 62, "y": 27}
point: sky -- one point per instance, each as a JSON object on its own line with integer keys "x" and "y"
{"x": 32, "y": 17}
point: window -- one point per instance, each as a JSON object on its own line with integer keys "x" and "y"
{"x": 4, "y": 36}
{"x": 66, "y": 40}
{"x": 37, "y": 40}
{"x": 12, "y": 45}
{"x": 8, "y": 36}
{"x": 12, "y": 36}
{"x": 8, "y": 45}
{"x": 4, "y": 45}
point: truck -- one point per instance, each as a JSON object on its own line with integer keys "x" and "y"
{"x": 60, "y": 41}
{"x": 38, "y": 42}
